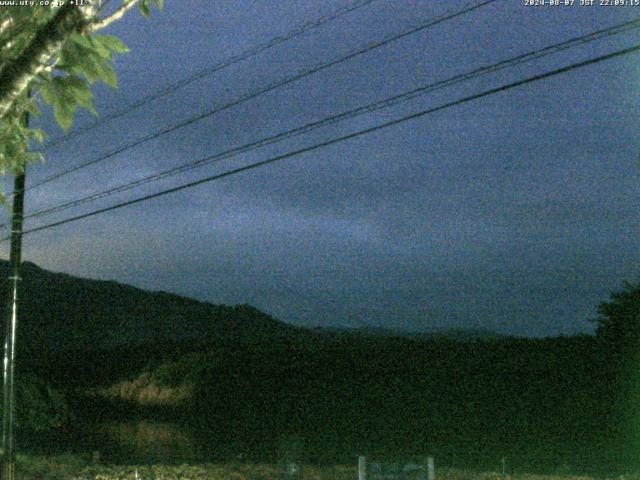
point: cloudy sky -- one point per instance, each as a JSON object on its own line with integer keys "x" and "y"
{"x": 518, "y": 212}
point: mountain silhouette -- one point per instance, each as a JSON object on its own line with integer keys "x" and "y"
{"x": 60, "y": 312}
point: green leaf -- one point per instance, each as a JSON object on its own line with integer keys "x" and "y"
{"x": 89, "y": 66}
{"x": 68, "y": 92}
{"x": 81, "y": 40}
{"x": 107, "y": 74}
{"x": 37, "y": 134}
{"x": 79, "y": 59}
{"x": 100, "y": 49}
{"x": 61, "y": 90}
{"x": 144, "y": 8}
{"x": 159, "y": 4}
{"x": 64, "y": 104}
{"x": 34, "y": 157}
{"x": 47, "y": 93}
{"x": 80, "y": 92}
{"x": 63, "y": 114}
{"x": 32, "y": 108}
{"x": 111, "y": 43}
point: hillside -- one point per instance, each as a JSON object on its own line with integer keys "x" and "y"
{"x": 538, "y": 402}
{"x": 455, "y": 334}
{"x": 239, "y": 381}
{"x": 62, "y": 312}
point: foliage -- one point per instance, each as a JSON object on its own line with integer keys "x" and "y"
{"x": 46, "y": 57}
{"x": 49, "y": 467}
{"x": 187, "y": 369}
{"x": 41, "y": 407}
{"x": 78, "y": 468}
{"x": 618, "y": 332}
{"x": 619, "y": 319}
{"x": 83, "y": 61}
{"x": 254, "y": 383}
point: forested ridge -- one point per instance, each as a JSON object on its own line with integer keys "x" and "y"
{"x": 253, "y": 382}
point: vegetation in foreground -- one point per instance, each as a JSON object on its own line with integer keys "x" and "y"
{"x": 237, "y": 382}
{"x": 82, "y": 468}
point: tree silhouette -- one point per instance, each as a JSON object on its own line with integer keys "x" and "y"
{"x": 619, "y": 334}
{"x": 619, "y": 319}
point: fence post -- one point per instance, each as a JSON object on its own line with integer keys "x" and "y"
{"x": 362, "y": 468}
{"x": 431, "y": 470}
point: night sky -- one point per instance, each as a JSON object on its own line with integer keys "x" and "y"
{"x": 518, "y": 212}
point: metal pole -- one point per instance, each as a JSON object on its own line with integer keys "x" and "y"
{"x": 431, "y": 469}
{"x": 362, "y": 468}
{"x": 8, "y": 390}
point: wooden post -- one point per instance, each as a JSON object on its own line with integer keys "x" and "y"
{"x": 431, "y": 470}
{"x": 362, "y": 468}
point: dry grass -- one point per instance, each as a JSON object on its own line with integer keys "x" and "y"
{"x": 75, "y": 468}
{"x": 211, "y": 472}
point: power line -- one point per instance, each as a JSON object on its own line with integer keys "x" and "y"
{"x": 273, "y": 86}
{"x": 380, "y": 104}
{"x": 215, "y": 68}
{"x": 343, "y": 138}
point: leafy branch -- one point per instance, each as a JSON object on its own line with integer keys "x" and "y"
{"x": 55, "y": 54}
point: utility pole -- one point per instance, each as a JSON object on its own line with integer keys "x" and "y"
{"x": 11, "y": 322}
